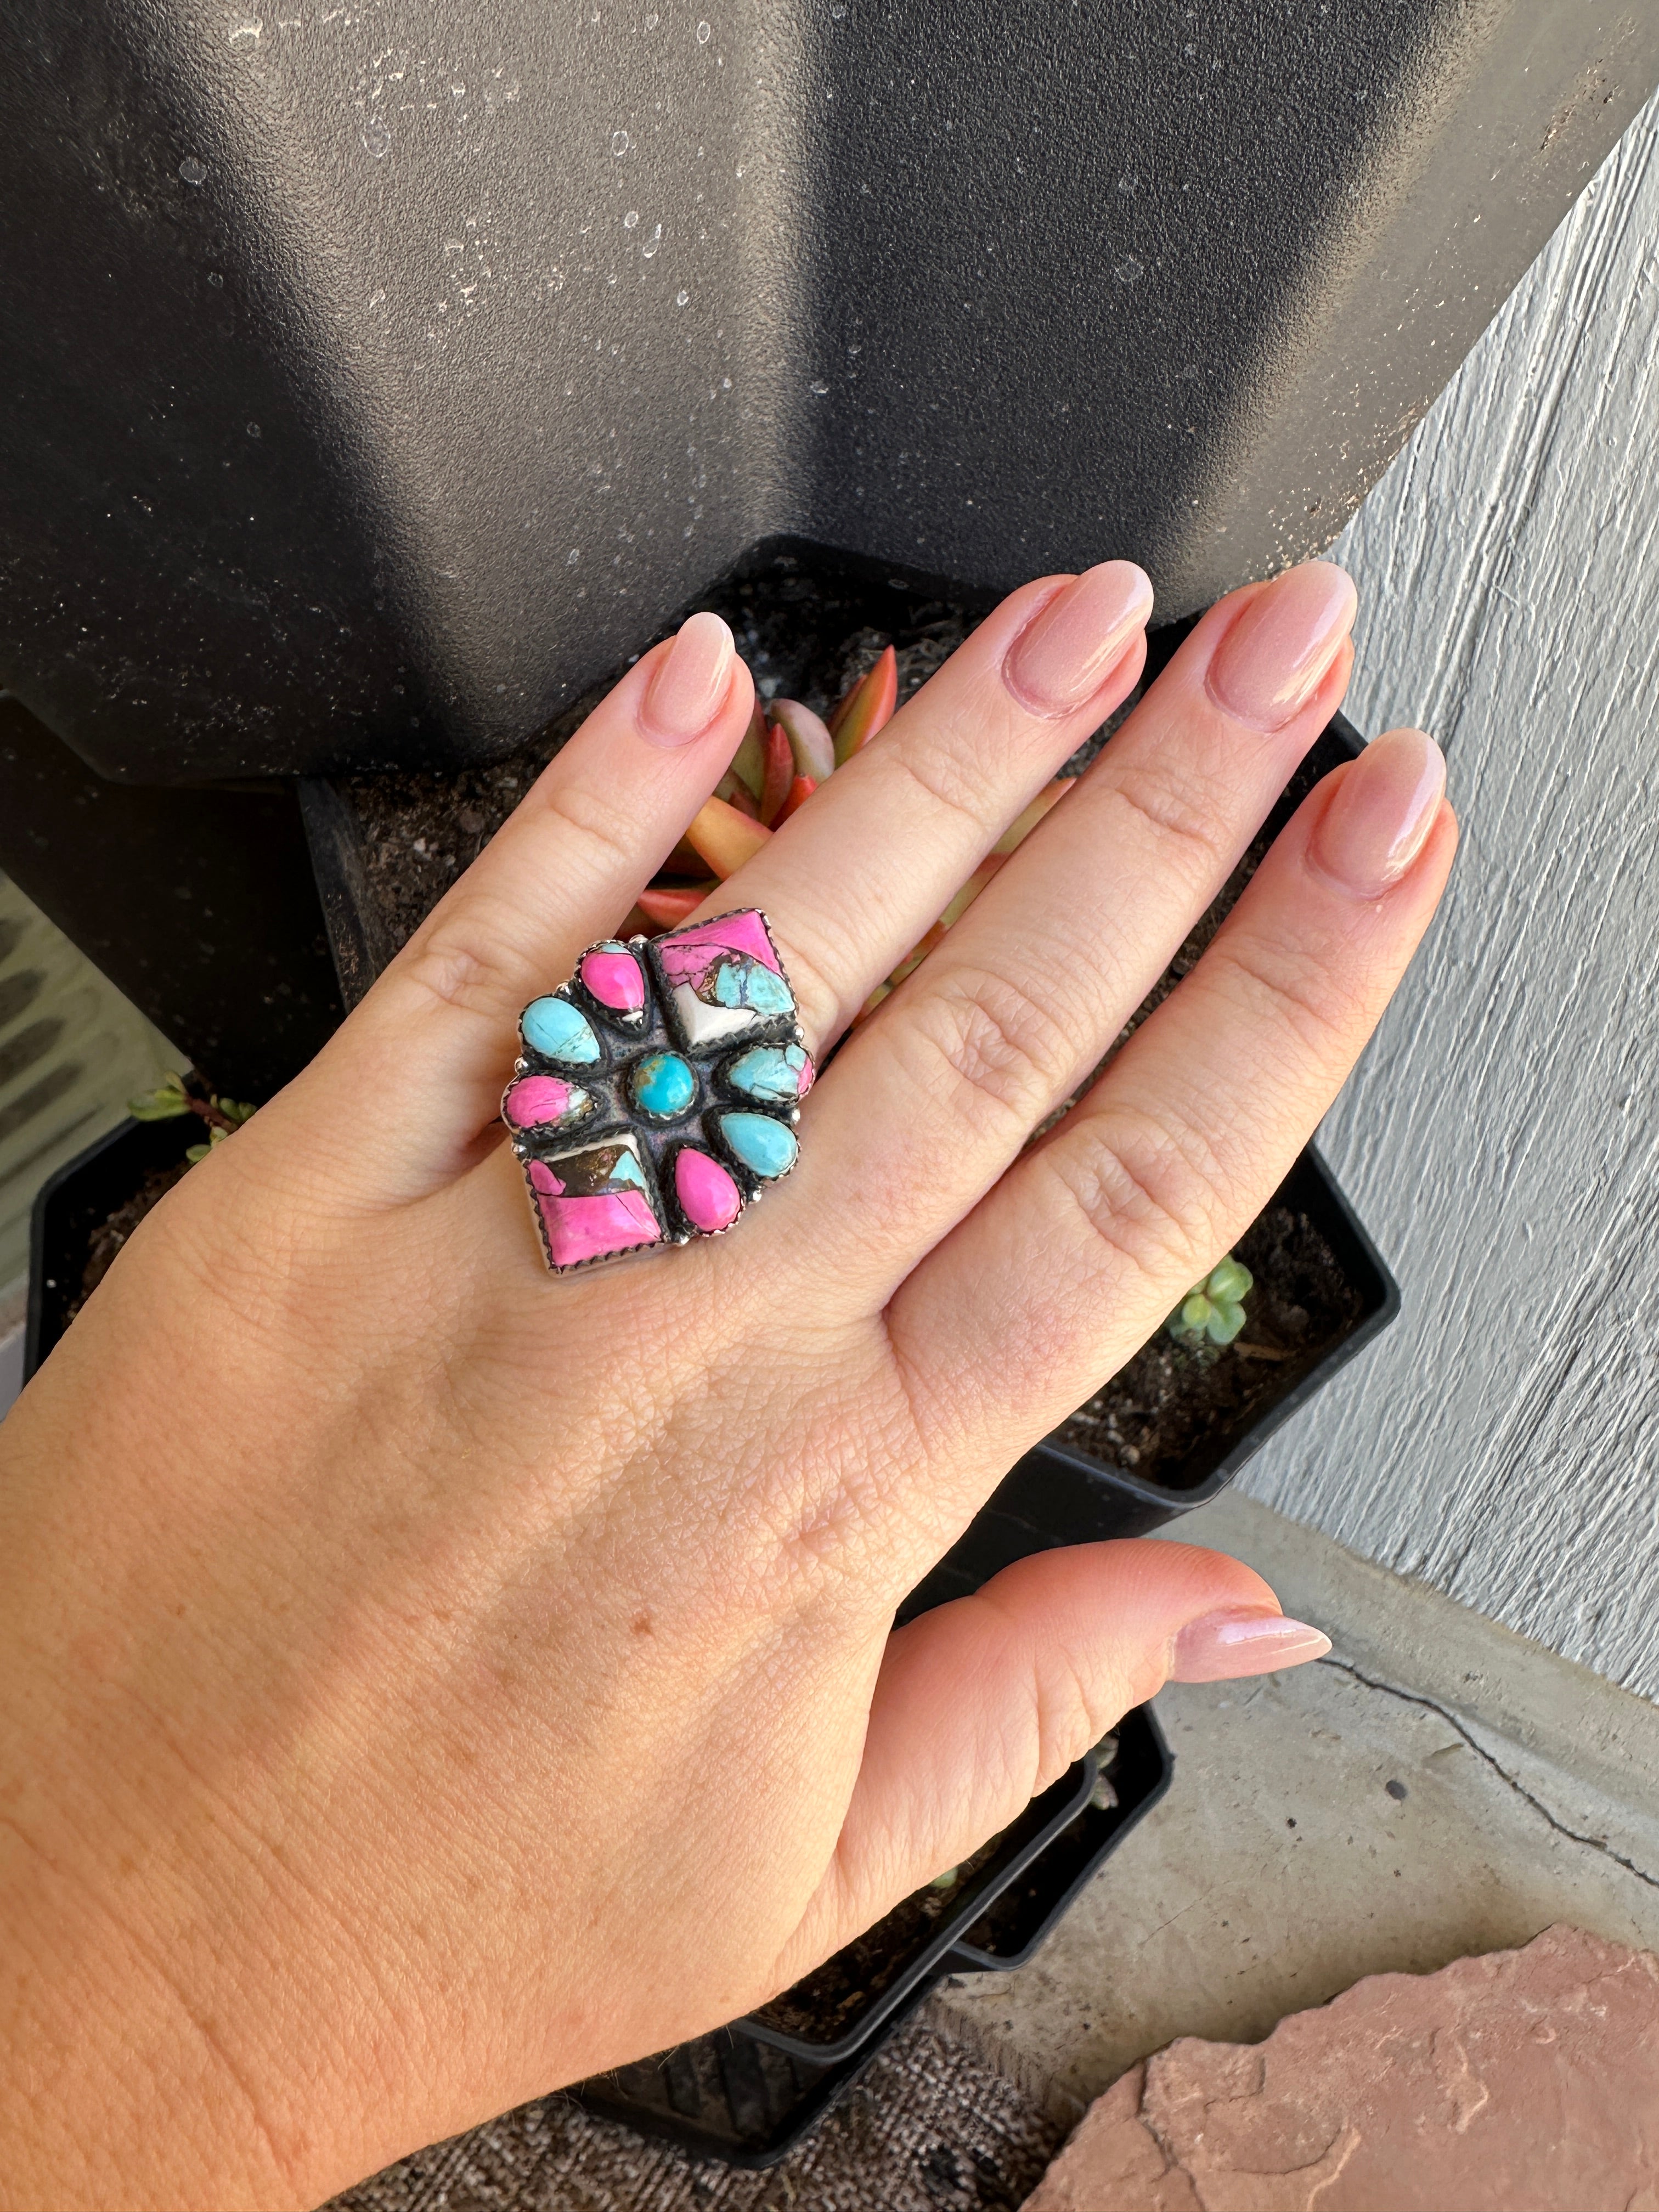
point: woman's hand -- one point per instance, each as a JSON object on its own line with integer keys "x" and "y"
{"x": 428, "y": 1682}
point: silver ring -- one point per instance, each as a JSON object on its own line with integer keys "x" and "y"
{"x": 657, "y": 1092}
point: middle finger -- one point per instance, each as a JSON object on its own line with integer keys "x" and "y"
{"x": 850, "y": 882}
{"x": 935, "y": 1097}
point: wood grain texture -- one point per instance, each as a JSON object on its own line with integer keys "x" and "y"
{"x": 1501, "y": 1138}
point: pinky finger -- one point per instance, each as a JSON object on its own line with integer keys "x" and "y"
{"x": 1068, "y": 1265}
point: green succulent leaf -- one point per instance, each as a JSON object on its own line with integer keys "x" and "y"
{"x": 1224, "y": 1323}
{"x": 1214, "y": 1308}
{"x": 1229, "y": 1281}
{"x": 165, "y": 1103}
{"x": 195, "y": 1152}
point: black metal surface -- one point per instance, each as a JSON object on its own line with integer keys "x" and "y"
{"x": 377, "y": 379}
{"x": 199, "y": 905}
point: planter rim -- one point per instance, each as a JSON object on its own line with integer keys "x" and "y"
{"x": 968, "y": 1958}
{"x": 42, "y": 1198}
{"x": 1072, "y": 1793}
{"x": 1385, "y": 1310}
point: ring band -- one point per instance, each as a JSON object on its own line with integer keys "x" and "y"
{"x": 656, "y": 1091}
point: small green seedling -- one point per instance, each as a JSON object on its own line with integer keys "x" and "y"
{"x": 1213, "y": 1311}
{"x": 171, "y": 1099}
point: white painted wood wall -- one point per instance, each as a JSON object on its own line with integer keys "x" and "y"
{"x": 1501, "y": 1140}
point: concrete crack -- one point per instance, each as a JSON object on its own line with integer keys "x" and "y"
{"x": 1432, "y": 1705}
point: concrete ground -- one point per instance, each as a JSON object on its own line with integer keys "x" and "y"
{"x": 1437, "y": 1786}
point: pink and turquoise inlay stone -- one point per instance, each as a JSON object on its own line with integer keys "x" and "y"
{"x": 724, "y": 978}
{"x": 656, "y": 1091}
{"x": 594, "y": 1203}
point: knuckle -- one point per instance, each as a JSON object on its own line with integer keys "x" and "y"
{"x": 1179, "y": 819}
{"x": 468, "y": 958}
{"x": 942, "y": 774}
{"x": 1067, "y": 1715}
{"x": 591, "y": 832}
{"x": 1295, "y": 989}
{"x": 1006, "y": 1053}
{"x": 1151, "y": 1200}
{"x": 456, "y": 969}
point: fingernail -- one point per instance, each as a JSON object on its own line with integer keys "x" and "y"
{"x": 689, "y": 686}
{"x": 1059, "y": 661}
{"x": 1383, "y": 809}
{"x": 1243, "y": 1640}
{"x": 1279, "y": 652}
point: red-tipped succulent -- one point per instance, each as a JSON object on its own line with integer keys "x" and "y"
{"x": 786, "y": 752}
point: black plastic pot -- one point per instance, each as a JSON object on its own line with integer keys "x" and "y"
{"x": 748, "y": 2097}
{"x": 1021, "y": 1844}
{"x": 75, "y": 1203}
{"x": 1054, "y": 1496}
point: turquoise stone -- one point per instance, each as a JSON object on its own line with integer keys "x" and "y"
{"x": 662, "y": 1086}
{"x": 771, "y": 1071}
{"x": 767, "y": 1146}
{"x": 558, "y": 1030}
{"x": 753, "y": 986}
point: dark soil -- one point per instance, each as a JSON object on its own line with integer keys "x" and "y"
{"x": 806, "y": 638}
{"x": 1158, "y": 1415}
{"x": 113, "y": 1232}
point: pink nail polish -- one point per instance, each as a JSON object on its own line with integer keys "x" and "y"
{"x": 1384, "y": 809}
{"x": 689, "y": 685}
{"x": 1243, "y": 1640}
{"x": 1061, "y": 657}
{"x": 1276, "y": 655}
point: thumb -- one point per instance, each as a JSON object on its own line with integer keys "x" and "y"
{"x": 985, "y": 1702}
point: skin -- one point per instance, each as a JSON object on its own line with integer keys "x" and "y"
{"x": 428, "y": 1683}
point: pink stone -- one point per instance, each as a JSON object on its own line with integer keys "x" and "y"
{"x": 544, "y": 1178}
{"x": 587, "y": 1228}
{"x": 615, "y": 981}
{"x": 537, "y": 1098}
{"x": 707, "y": 1195}
{"x": 688, "y": 955}
{"x": 1523, "y": 2078}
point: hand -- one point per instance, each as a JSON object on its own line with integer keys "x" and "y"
{"x": 429, "y": 1682}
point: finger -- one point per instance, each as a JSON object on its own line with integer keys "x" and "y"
{"x": 939, "y": 1092}
{"x": 850, "y": 882}
{"x": 983, "y": 1702}
{"x": 431, "y": 1043}
{"x": 1092, "y": 1239}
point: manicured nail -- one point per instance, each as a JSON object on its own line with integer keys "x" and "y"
{"x": 689, "y": 686}
{"x": 1279, "y": 652}
{"x": 1243, "y": 1640}
{"x": 1060, "y": 659}
{"x": 1383, "y": 809}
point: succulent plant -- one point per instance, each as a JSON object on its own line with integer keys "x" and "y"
{"x": 1213, "y": 1311}
{"x": 175, "y": 1097}
{"x": 786, "y": 752}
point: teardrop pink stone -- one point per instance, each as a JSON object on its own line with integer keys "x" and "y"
{"x": 615, "y": 979}
{"x": 707, "y": 1195}
{"x": 535, "y": 1098}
